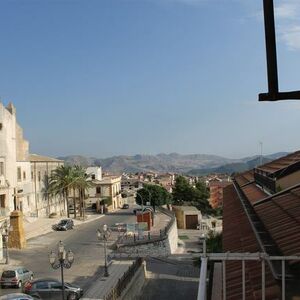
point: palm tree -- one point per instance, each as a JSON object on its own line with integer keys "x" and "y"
{"x": 60, "y": 181}
{"x": 82, "y": 184}
{"x": 46, "y": 191}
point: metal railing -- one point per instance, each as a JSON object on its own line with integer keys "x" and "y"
{"x": 122, "y": 283}
{"x": 149, "y": 236}
{"x": 242, "y": 257}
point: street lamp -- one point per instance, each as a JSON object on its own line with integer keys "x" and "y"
{"x": 103, "y": 235}
{"x": 5, "y": 230}
{"x": 61, "y": 260}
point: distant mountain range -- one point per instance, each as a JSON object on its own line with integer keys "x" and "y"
{"x": 194, "y": 164}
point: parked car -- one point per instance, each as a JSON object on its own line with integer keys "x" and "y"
{"x": 64, "y": 225}
{"x": 125, "y": 206}
{"x": 16, "y": 296}
{"x": 51, "y": 289}
{"x": 15, "y": 276}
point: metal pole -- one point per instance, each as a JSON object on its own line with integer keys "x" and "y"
{"x": 263, "y": 280}
{"x": 271, "y": 47}
{"x": 105, "y": 260}
{"x": 6, "y": 252}
{"x": 62, "y": 279}
{"x": 224, "y": 279}
{"x": 244, "y": 281}
{"x": 283, "y": 280}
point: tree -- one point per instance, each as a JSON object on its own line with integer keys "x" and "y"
{"x": 154, "y": 194}
{"x": 184, "y": 193}
{"x": 82, "y": 183}
{"x": 60, "y": 181}
{"x": 202, "y": 188}
{"x": 46, "y": 191}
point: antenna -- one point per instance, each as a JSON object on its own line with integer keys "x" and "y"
{"x": 261, "y": 152}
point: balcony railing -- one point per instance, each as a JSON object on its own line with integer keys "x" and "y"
{"x": 242, "y": 257}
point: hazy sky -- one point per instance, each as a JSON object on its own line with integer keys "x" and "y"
{"x": 110, "y": 77}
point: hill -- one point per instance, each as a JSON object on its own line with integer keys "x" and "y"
{"x": 193, "y": 164}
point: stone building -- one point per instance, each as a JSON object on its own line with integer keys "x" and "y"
{"x": 23, "y": 176}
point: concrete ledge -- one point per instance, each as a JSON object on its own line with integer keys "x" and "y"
{"x": 150, "y": 275}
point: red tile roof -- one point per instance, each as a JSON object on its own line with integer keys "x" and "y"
{"x": 245, "y": 178}
{"x": 238, "y": 236}
{"x": 280, "y": 163}
{"x": 254, "y": 193}
{"x": 280, "y": 214}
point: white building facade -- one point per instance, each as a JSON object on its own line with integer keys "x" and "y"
{"x": 22, "y": 176}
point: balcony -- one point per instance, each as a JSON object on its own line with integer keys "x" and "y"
{"x": 266, "y": 182}
{"x": 220, "y": 287}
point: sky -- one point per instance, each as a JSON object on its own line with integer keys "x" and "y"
{"x": 111, "y": 77}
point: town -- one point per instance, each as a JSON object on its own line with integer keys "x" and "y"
{"x": 135, "y": 160}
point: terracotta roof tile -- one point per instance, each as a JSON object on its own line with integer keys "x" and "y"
{"x": 238, "y": 236}
{"x": 245, "y": 178}
{"x": 254, "y": 193}
{"x": 281, "y": 217}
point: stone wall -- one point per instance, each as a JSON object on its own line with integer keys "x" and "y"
{"x": 159, "y": 247}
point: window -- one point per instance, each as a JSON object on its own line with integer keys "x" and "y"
{"x": 39, "y": 176}
{"x": 1, "y": 168}
{"x": 2, "y": 201}
{"x": 42, "y": 285}
{"x": 19, "y": 174}
{"x": 31, "y": 175}
{"x": 24, "y": 175}
{"x": 93, "y": 176}
{"x": 55, "y": 285}
{"x": 98, "y": 190}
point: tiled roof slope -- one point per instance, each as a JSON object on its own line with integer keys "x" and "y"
{"x": 41, "y": 158}
{"x": 245, "y": 178}
{"x": 254, "y": 193}
{"x": 280, "y": 214}
{"x": 238, "y": 236}
{"x": 280, "y": 163}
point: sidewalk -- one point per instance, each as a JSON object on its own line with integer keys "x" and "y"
{"x": 103, "y": 285}
{"x": 34, "y": 227}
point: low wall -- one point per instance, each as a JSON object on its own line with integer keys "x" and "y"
{"x": 134, "y": 288}
{"x": 163, "y": 246}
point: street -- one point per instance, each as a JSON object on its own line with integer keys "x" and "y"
{"x": 82, "y": 240}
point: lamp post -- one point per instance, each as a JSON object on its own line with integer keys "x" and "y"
{"x": 103, "y": 235}
{"x": 5, "y": 230}
{"x": 61, "y": 260}
{"x": 142, "y": 205}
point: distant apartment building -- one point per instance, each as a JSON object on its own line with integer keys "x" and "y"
{"x": 216, "y": 192}
{"x": 166, "y": 180}
{"x": 22, "y": 175}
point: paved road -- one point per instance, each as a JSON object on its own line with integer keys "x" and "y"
{"x": 165, "y": 289}
{"x": 88, "y": 251}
